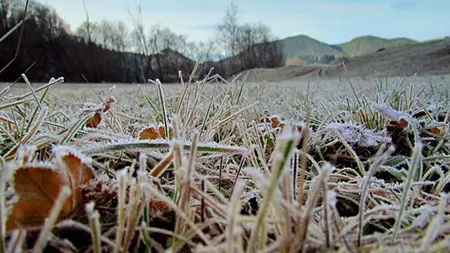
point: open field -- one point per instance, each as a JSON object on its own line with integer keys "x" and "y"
{"x": 300, "y": 165}
{"x": 429, "y": 58}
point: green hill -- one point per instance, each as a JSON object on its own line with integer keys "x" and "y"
{"x": 303, "y": 46}
{"x": 369, "y": 44}
{"x": 306, "y": 49}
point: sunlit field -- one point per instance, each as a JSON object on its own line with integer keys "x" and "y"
{"x": 305, "y": 165}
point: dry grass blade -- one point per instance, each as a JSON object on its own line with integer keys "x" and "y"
{"x": 51, "y": 220}
{"x": 379, "y": 160}
{"x": 304, "y": 154}
{"x": 25, "y": 78}
{"x": 122, "y": 178}
{"x": 435, "y": 228}
{"x": 163, "y": 106}
{"x": 32, "y": 131}
{"x": 71, "y": 131}
{"x": 14, "y": 28}
{"x": 302, "y": 226}
{"x": 184, "y": 202}
{"x": 94, "y": 222}
{"x": 161, "y": 167}
{"x": 45, "y": 86}
{"x": 17, "y": 240}
{"x": 162, "y": 145}
{"x": 282, "y": 155}
{"x": 150, "y": 189}
{"x": 414, "y": 165}
{"x": 12, "y": 104}
{"x": 223, "y": 121}
{"x": 135, "y": 207}
{"x": 351, "y": 84}
{"x": 352, "y": 153}
{"x": 233, "y": 218}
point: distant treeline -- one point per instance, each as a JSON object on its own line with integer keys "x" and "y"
{"x": 107, "y": 51}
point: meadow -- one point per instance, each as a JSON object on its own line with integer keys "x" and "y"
{"x": 303, "y": 165}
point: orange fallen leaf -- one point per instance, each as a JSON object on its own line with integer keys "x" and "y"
{"x": 436, "y": 130}
{"x": 275, "y": 121}
{"x": 94, "y": 121}
{"x": 37, "y": 187}
{"x": 403, "y": 123}
{"x": 149, "y": 133}
{"x": 77, "y": 174}
{"x": 153, "y": 133}
{"x": 162, "y": 131}
{"x": 108, "y": 103}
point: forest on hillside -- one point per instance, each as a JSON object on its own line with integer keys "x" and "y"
{"x": 35, "y": 40}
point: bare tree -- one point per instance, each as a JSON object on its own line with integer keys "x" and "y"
{"x": 164, "y": 39}
{"x": 142, "y": 44}
{"x": 245, "y": 45}
{"x": 115, "y": 35}
{"x": 88, "y": 31}
{"x": 201, "y": 51}
{"x": 250, "y": 40}
{"x": 120, "y": 36}
{"x": 165, "y": 46}
{"x": 87, "y": 24}
{"x": 106, "y": 34}
{"x": 228, "y": 30}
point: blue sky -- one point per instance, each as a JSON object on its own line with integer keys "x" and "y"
{"x": 331, "y": 21}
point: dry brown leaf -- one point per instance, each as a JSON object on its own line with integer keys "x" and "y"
{"x": 77, "y": 174}
{"x": 94, "y": 121}
{"x": 149, "y": 133}
{"x": 38, "y": 186}
{"x": 153, "y": 133}
{"x": 108, "y": 103}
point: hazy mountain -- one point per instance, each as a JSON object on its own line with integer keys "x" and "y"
{"x": 302, "y": 45}
{"x": 305, "y": 49}
{"x": 425, "y": 58}
{"x": 369, "y": 44}
{"x": 431, "y": 57}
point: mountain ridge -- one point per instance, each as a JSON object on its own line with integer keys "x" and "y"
{"x": 302, "y": 48}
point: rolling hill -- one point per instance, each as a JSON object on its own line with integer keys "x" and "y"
{"x": 302, "y": 48}
{"x": 429, "y": 57}
{"x": 369, "y": 44}
{"x": 423, "y": 58}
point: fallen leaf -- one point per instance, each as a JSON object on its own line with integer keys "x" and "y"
{"x": 108, "y": 103}
{"x": 436, "y": 130}
{"x": 37, "y": 187}
{"x": 77, "y": 173}
{"x": 149, "y": 133}
{"x": 94, "y": 121}
{"x": 275, "y": 121}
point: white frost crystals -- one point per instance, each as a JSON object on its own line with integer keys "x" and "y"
{"x": 391, "y": 113}
{"x": 355, "y": 134}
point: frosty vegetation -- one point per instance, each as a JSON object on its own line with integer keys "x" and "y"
{"x": 214, "y": 166}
